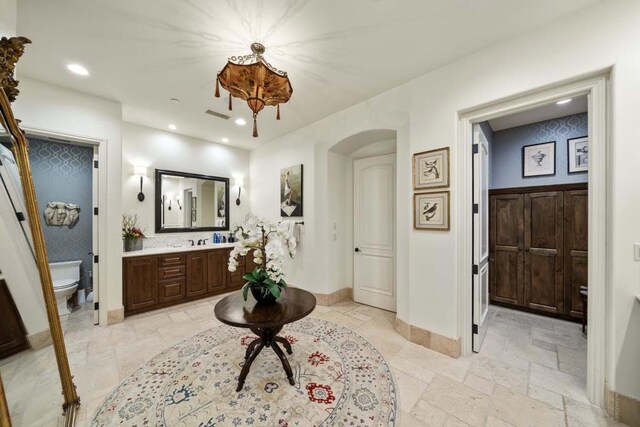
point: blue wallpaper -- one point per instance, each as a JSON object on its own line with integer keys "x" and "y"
{"x": 505, "y": 151}
{"x": 64, "y": 173}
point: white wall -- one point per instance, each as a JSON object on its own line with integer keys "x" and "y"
{"x": 8, "y": 17}
{"x": 55, "y": 109}
{"x": 428, "y": 292}
{"x": 156, "y": 149}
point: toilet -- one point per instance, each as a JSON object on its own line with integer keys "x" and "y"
{"x": 65, "y": 277}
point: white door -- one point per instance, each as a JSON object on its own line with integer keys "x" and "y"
{"x": 374, "y": 262}
{"x": 480, "y": 269}
{"x": 95, "y": 283}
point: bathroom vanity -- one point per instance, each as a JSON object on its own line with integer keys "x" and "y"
{"x": 161, "y": 277}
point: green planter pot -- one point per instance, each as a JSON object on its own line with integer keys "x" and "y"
{"x": 132, "y": 244}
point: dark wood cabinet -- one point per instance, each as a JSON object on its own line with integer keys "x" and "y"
{"x": 152, "y": 282}
{"x": 217, "y": 270}
{"x": 576, "y": 243}
{"x": 12, "y": 332}
{"x": 506, "y": 234}
{"x": 141, "y": 273}
{"x": 538, "y": 248}
{"x": 197, "y": 273}
{"x": 543, "y": 225}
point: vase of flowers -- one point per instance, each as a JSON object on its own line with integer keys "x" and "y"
{"x": 269, "y": 244}
{"x": 132, "y": 235}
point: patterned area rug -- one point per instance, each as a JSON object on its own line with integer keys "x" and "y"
{"x": 341, "y": 380}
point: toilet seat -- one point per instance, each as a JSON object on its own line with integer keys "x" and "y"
{"x": 62, "y": 284}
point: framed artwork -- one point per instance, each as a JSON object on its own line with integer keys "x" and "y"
{"x": 431, "y": 169}
{"x": 539, "y": 159}
{"x": 578, "y": 154}
{"x": 431, "y": 211}
{"x": 291, "y": 185}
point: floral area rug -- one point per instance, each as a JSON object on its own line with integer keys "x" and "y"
{"x": 340, "y": 380}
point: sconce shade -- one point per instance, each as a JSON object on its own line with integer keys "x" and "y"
{"x": 239, "y": 181}
{"x": 140, "y": 170}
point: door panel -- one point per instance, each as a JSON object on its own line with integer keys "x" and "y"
{"x": 196, "y": 274}
{"x": 576, "y": 238}
{"x": 506, "y": 235}
{"x": 374, "y": 231}
{"x": 480, "y": 237}
{"x": 217, "y": 270}
{"x": 141, "y": 279}
{"x": 171, "y": 290}
{"x": 543, "y": 236}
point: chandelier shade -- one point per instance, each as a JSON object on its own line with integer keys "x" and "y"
{"x": 255, "y": 81}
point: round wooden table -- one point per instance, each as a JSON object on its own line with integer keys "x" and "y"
{"x": 265, "y": 320}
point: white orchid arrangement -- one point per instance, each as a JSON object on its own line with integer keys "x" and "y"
{"x": 271, "y": 244}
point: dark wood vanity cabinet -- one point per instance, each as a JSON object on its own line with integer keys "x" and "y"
{"x": 141, "y": 283}
{"x": 156, "y": 281}
{"x": 538, "y": 248}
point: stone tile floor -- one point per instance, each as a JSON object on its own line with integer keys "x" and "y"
{"x": 530, "y": 371}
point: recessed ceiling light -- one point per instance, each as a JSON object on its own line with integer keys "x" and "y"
{"x": 172, "y": 127}
{"x": 564, "y": 101}
{"x": 240, "y": 121}
{"x": 225, "y": 140}
{"x": 78, "y": 69}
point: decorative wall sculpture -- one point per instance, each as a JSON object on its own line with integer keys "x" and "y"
{"x": 60, "y": 214}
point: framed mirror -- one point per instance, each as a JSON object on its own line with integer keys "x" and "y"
{"x": 17, "y": 178}
{"x": 191, "y": 202}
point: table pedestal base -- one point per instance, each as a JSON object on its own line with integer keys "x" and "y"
{"x": 267, "y": 337}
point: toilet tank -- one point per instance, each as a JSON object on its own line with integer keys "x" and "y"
{"x": 67, "y": 270}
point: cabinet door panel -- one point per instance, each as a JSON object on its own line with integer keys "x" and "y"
{"x": 543, "y": 260}
{"x": 505, "y": 249}
{"x": 141, "y": 282}
{"x": 217, "y": 266}
{"x": 172, "y": 290}
{"x": 196, "y": 274}
{"x": 576, "y": 241}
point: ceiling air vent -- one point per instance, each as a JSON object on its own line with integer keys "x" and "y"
{"x": 219, "y": 115}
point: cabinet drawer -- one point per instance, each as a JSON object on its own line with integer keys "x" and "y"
{"x": 177, "y": 271}
{"x": 171, "y": 290}
{"x": 170, "y": 260}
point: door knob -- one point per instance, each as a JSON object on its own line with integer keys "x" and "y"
{"x": 357, "y": 249}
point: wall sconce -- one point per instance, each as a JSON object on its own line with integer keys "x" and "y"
{"x": 239, "y": 181}
{"x": 142, "y": 171}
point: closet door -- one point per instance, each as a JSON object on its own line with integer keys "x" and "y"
{"x": 543, "y": 258}
{"x": 505, "y": 249}
{"x": 576, "y": 238}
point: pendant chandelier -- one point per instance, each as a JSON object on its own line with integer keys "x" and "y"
{"x": 254, "y": 80}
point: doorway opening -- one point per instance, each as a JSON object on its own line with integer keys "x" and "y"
{"x": 531, "y": 181}
{"x": 362, "y": 193}
{"x": 538, "y": 236}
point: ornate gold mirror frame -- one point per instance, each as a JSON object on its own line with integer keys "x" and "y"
{"x": 10, "y": 51}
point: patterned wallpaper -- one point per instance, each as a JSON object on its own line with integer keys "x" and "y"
{"x": 505, "y": 151}
{"x": 64, "y": 173}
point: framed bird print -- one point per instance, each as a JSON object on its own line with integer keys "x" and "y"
{"x": 431, "y": 211}
{"x": 431, "y": 169}
{"x": 539, "y": 159}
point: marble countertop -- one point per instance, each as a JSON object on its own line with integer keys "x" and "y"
{"x": 171, "y": 249}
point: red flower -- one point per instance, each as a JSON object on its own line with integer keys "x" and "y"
{"x": 318, "y": 358}
{"x": 320, "y": 393}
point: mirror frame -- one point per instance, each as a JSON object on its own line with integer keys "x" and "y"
{"x": 158, "y": 201}
{"x": 10, "y": 51}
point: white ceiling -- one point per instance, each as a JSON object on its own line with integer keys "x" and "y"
{"x": 337, "y": 52}
{"x": 546, "y": 112}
